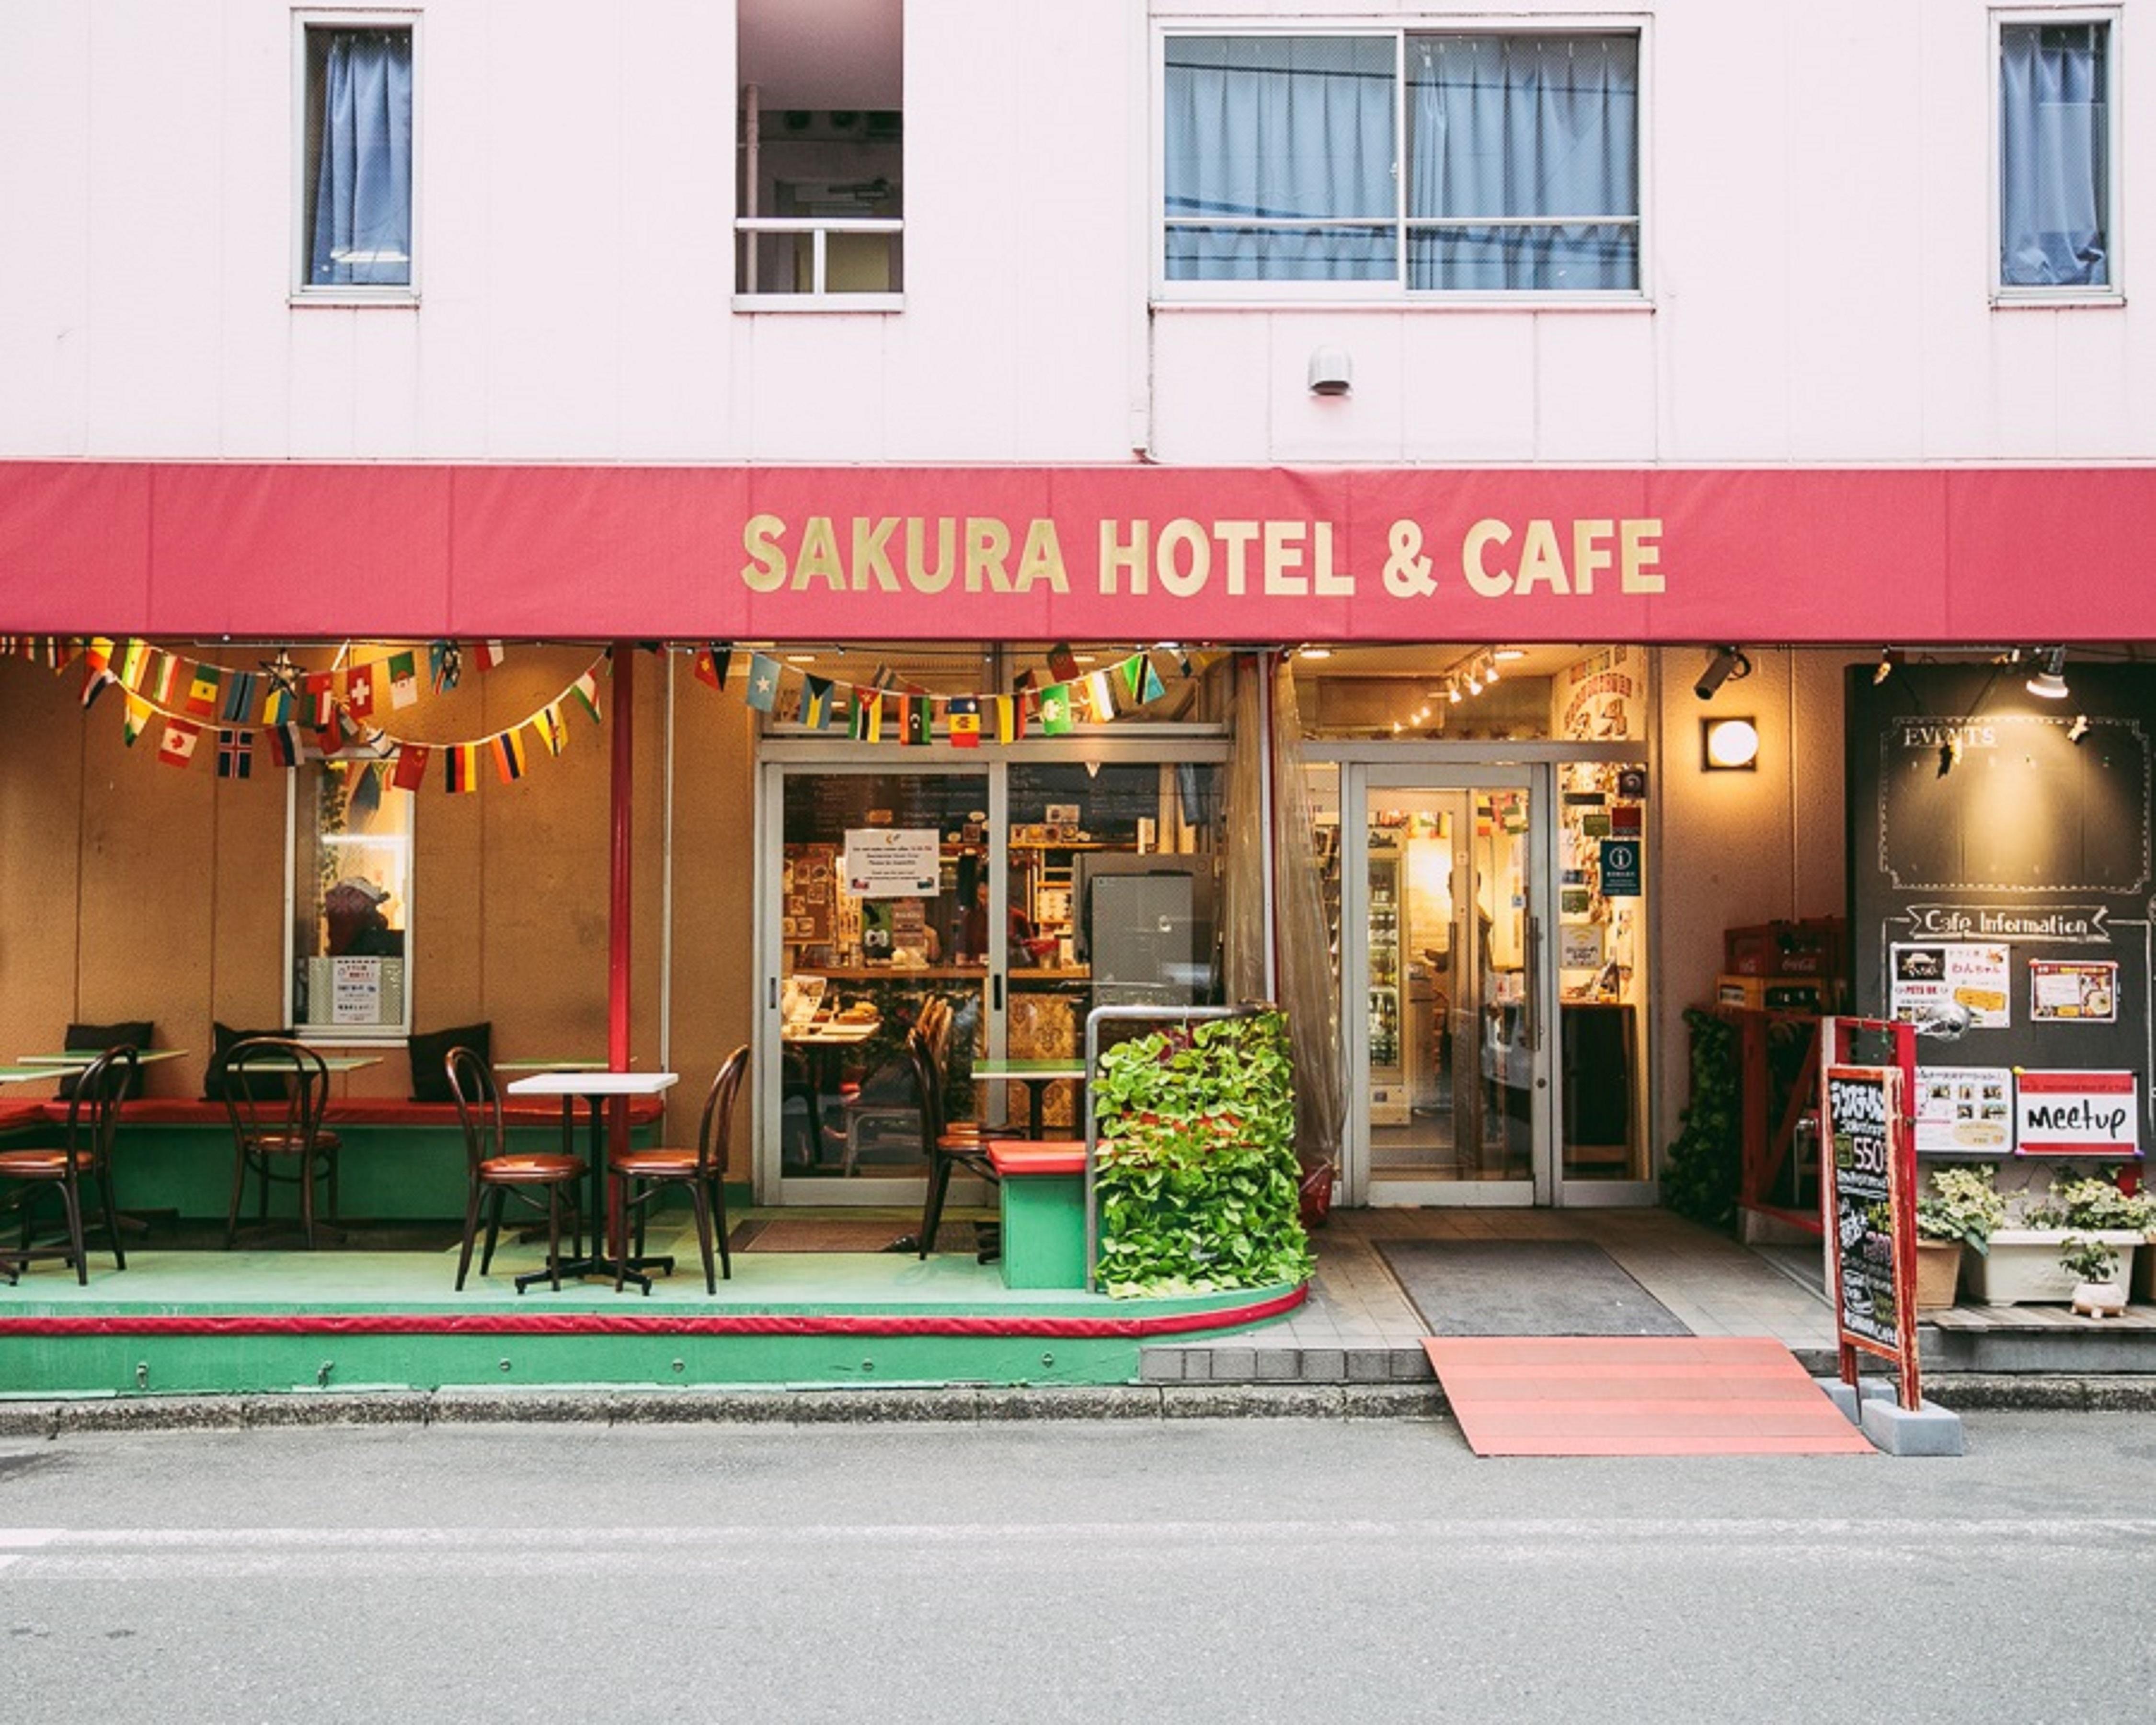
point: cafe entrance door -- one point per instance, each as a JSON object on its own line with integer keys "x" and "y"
{"x": 1443, "y": 876}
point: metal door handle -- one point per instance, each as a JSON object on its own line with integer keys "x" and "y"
{"x": 1534, "y": 980}
{"x": 996, "y": 992}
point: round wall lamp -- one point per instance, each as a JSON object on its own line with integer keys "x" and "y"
{"x": 1728, "y": 745}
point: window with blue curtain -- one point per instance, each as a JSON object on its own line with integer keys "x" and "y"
{"x": 1283, "y": 162}
{"x": 359, "y": 166}
{"x": 2053, "y": 149}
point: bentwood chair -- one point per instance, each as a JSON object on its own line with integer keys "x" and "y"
{"x": 93, "y": 1118}
{"x": 538, "y": 1181}
{"x": 276, "y": 1093}
{"x": 640, "y": 1176}
{"x": 944, "y": 1145}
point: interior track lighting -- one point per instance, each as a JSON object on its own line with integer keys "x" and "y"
{"x": 1889, "y": 657}
{"x": 1727, "y": 662}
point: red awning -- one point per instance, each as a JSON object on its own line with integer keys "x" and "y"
{"x": 1144, "y": 553}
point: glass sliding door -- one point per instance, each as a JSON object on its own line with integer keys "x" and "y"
{"x": 1442, "y": 872}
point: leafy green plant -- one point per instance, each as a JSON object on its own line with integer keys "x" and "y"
{"x": 2090, "y": 1201}
{"x": 1963, "y": 1204}
{"x": 2087, "y": 1259}
{"x": 1701, "y": 1173}
{"x": 1196, "y": 1173}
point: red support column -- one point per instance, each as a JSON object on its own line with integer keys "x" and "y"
{"x": 619, "y": 903}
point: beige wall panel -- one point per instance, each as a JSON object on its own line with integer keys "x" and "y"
{"x": 1740, "y": 848}
{"x": 244, "y": 873}
{"x": 41, "y": 798}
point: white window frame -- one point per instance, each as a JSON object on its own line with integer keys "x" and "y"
{"x": 1275, "y": 295}
{"x": 321, "y": 1035}
{"x": 2112, "y": 292}
{"x": 302, "y": 291}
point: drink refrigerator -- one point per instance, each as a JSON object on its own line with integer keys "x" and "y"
{"x": 1388, "y": 1087}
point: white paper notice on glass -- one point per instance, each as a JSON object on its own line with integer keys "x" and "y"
{"x": 1579, "y": 946}
{"x": 355, "y": 991}
{"x": 1929, "y": 979}
{"x": 2073, "y": 991}
{"x": 1964, "y": 1108}
{"x": 892, "y": 862}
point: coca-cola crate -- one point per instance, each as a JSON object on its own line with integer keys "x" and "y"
{"x": 1815, "y": 946}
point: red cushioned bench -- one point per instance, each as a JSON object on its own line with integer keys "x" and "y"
{"x": 1041, "y": 1189}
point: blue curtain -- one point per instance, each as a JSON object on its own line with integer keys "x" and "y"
{"x": 1278, "y": 128}
{"x": 2053, "y": 132}
{"x": 1521, "y": 125}
{"x": 363, "y": 180}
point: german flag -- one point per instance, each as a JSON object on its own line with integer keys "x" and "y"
{"x": 463, "y": 772}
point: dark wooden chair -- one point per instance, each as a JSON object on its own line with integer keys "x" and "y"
{"x": 641, "y": 1175}
{"x": 540, "y": 1181}
{"x": 945, "y": 1145}
{"x": 93, "y": 1118}
{"x": 276, "y": 1093}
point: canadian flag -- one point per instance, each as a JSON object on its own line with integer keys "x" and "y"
{"x": 177, "y": 747}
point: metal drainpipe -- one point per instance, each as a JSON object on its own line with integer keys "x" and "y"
{"x": 666, "y": 878}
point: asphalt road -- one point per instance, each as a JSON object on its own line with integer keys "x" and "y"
{"x": 1159, "y": 1571}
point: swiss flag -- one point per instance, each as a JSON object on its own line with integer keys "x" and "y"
{"x": 359, "y": 691}
{"x": 177, "y": 747}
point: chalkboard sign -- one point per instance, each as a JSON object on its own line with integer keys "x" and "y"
{"x": 2001, "y": 875}
{"x": 1869, "y": 1214}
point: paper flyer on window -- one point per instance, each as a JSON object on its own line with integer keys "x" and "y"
{"x": 1930, "y": 981}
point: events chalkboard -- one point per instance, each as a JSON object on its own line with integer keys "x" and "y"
{"x": 2001, "y": 875}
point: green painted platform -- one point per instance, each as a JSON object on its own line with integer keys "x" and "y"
{"x": 255, "y": 1320}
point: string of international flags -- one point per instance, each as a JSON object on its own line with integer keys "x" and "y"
{"x": 884, "y": 708}
{"x": 289, "y": 707}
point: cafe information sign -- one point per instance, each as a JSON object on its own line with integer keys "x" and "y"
{"x": 892, "y": 862}
{"x": 1867, "y": 1194}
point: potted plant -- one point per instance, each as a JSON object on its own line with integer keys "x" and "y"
{"x": 1962, "y": 1208}
{"x": 2098, "y": 1292}
{"x": 2024, "y": 1263}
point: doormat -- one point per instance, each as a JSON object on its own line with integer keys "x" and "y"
{"x": 1633, "y": 1396}
{"x": 1524, "y": 1287}
{"x": 843, "y": 1233}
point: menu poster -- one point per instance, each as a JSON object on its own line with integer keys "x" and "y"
{"x": 355, "y": 991}
{"x": 1870, "y": 1214}
{"x": 2095, "y": 1114}
{"x": 1927, "y": 981}
{"x": 1964, "y": 1108}
{"x": 2080, "y": 993}
{"x": 893, "y": 862}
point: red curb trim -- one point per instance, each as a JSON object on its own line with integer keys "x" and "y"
{"x": 602, "y": 1323}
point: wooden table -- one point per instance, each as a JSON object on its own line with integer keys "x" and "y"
{"x": 821, "y": 1040}
{"x": 1036, "y": 1075}
{"x": 610, "y": 1255}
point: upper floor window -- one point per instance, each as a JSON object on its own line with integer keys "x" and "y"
{"x": 356, "y": 160}
{"x": 820, "y": 221}
{"x": 2055, "y": 216}
{"x": 1283, "y": 162}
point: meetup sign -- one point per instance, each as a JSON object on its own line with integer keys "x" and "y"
{"x": 2077, "y": 1113}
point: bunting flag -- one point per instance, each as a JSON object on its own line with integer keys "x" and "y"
{"x": 553, "y": 730}
{"x": 285, "y": 748}
{"x": 885, "y": 678}
{"x": 134, "y": 661}
{"x": 1063, "y": 663}
{"x": 1141, "y": 681}
{"x": 359, "y": 691}
{"x": 965, "y": 723}
{"x": 239, "y": 692}
{"x": 713, "y": 664}
{"x": 164, "y": 679}
{"x": 585, "y": 692}
{"x": 491, "y": 654}
{"x": 204, "y": 684}
{"x": 94, "y": 682}
{"x": 763, "y": 692}
{"x": 815, "y": 702}
{"x": 509, "y": 755}
{"x": 461, "y": 775}
{"x": 98, "y": 654}
{"x": 62, "y": 651}
{"x": 235, "y": 754}
{"x": 1101, "y": 691}
{"x": 868, "y": 716}
{"x": 280, "y": 705}
{"x": 135, "y": 720}
{"x": 445, "y": 665}
{"x": 404, "y": 680}
{"x": 920, "y": 721}
{"x": 177, "y": 748}
{"x": 1010, "y": 718}
{"x": 1056, "y": 720}
{"x": 321, "y": 688}
{"x": 411, "y": 769}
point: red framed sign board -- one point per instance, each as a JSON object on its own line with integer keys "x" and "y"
{"x": 1868, "y": 1205}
